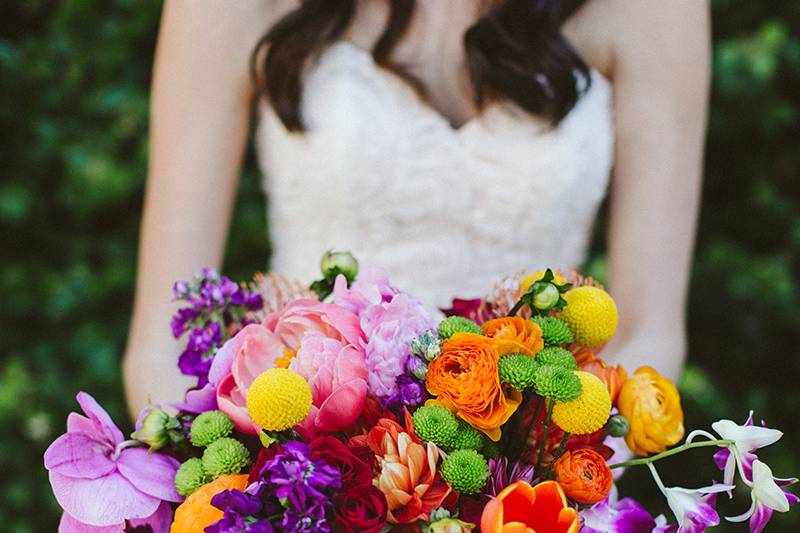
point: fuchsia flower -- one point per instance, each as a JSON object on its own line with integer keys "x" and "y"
{"x": 622, "y": 516}
{"x": 101, "y": 481}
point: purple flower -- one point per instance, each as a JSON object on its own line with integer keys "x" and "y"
{"x": 99, "y": 480}
{"x": 371, "y": 288}
{"x": 695, "y": 509}
{"x": 389, "y": 328}
{"x": 246, "y": 511}
{"x": 623, "y": 516}
{"x": 501, "y": 476}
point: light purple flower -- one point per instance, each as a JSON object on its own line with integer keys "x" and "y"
{"x": 746, "y": 439}
{"x": 98, "y": 479}
{"x": 695, "y": 509}
{"x": 622, "y": 516}
{"x": 371, "y": 288}
{"x": 503, "y": 474}
{"x": 389, "y": 328}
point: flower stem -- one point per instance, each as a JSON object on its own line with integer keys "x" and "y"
{"x": 530, "y": 426}
{"x": 517, "y": 306}
{"x": 559, "y": 451}
{"x": 543, "y": 444}
{"x": 673, "y": 451}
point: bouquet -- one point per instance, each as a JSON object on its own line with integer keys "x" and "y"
{"x": 348, "y": 407}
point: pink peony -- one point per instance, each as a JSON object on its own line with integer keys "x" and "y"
{"x": 259, "y": 347}
{"x": 100, "y": 481}
{"x": 337, "y": 375}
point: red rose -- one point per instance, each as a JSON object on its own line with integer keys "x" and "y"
{"x": 362, "y": 509}
{"x": 331, "y": 450}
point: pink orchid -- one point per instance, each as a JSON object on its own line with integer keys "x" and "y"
{"x": 259, "y": 347}
{"x": 100, "y": 480}
{"x": 337, "y": 375}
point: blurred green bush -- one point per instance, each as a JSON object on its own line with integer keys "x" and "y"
{"x": 74, "y": 82}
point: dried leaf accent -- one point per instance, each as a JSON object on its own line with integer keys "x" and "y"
{"x": 278, "y": 291}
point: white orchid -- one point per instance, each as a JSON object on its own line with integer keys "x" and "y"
{"x": 767, "y": 496}
{"x": 746, "y": 438}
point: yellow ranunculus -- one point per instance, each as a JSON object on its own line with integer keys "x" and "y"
{"x": 652, "y": 405}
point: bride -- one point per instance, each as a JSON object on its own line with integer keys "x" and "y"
{"x": 449, "y": 142}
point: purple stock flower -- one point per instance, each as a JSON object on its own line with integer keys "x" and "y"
{"x": 217, "y": 308}
{"x": 246, "y": 511}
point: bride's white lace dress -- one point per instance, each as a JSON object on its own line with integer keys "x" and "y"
{"x": 445, "y": 211}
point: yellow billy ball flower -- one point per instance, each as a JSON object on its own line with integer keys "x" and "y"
{"x": 591, "y": 314}
{"x": 589, "y": 412}
{"x": 278, "y": 399}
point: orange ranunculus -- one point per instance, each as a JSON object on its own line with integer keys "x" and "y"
{"x": 520, "y": 508}
{"x": 584, "y": 475}
{"x": 652, "y": 405}
{"x": 196, "y": 512}
{"x": 465, "y": 379}
{"x": 612, "y": 376}
{"x": 514, "y": 334}
{"x": 408, "y": 473}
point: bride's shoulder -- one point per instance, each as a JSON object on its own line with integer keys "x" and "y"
{"x": 608, "y": 32}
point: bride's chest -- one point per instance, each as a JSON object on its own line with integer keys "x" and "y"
{"x": 373, "y": 147}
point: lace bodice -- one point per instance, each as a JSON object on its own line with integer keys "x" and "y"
{"x": 445, "y": 211}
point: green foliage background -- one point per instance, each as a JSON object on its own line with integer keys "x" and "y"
{"x": 74, "y": 82}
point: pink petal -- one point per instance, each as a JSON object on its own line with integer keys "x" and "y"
{"x": 159, "y": 522}
{"x": 80, "y": 424}
{"x": 78, "y": 455}
{"x": 200, "y": 400}
{"x": 100, "y": 417}
{"x": 231, "y": 402}
{"x": 105, "y": 501}
{"x": 345, "y": 322}
{"x": 257, "y": 353}
{"x": 221, "y": 366}
{"x": 69, "y": 525}
{"x": 151, "y": 473}
{"x": 343, "y": 407}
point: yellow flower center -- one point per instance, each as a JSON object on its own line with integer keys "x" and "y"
{"x": 288, "y": 355}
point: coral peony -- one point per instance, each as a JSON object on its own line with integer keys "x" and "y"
{"x": 465, "y": 379}
{"x": 584, "y": 475}
{"x": 514, "y": 335}
{"x": 408, "y": 473}
{"x": 652, "y": 405}
{"x": 259, "y": 347}
{"x": 520, "y": 508}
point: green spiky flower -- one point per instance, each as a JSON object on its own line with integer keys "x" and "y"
{"x": 557, "y": 383}
{"x": 225, "y": 456}
{"x": 210, "y": 426}
{"x": 466, "y": 471}
{"x": 435, "y": 424}
{"x": 457, "y": 324}
{"x": 518, "y": 370}
{"x": 553, "y": 355}
{"x": 190, "y": 477}
{"x": 554, "y": 330}
{"x": 466, "y": 438}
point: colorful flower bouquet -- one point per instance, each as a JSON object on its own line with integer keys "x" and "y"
{"x": 348, "y": 407}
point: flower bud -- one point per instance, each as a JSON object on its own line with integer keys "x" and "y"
{"x": 450, "y": 525}
{"x": 617, "y": 426}
{"x": 155, "y": 427}
{"x": 334, "y": 263}
{"x": 545, "y": 295}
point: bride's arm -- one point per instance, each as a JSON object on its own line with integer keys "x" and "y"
{"x": 199, "y": 122}
{"x": 661, "y": 76}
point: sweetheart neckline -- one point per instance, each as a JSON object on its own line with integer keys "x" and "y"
{"x": 397, "y": 81}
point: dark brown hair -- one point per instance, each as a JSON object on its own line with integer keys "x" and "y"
{"x": 516, "y": 52}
